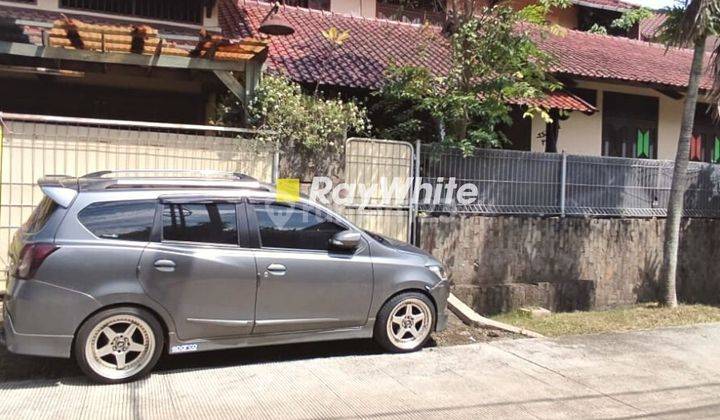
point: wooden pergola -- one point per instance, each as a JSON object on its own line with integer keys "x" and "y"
{"x": 235, "y": 63}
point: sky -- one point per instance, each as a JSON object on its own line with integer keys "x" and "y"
{"x": 652, "y": 4}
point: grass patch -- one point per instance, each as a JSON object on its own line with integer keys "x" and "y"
{"x": 640, "y": 317}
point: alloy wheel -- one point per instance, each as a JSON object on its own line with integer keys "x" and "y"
{"x": 409, "y": 324}
{"x": 120, "y": 346}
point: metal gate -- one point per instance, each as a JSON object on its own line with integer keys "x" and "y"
{"x": 34, "y": 146}
{"x": 368, "y": 161}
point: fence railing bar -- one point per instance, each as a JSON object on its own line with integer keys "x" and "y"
{"x": 563, "y": 183}
{"x": 8, "y": 116}
{"x": 516, "y": 182}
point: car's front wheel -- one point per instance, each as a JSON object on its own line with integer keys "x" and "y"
{"x": 405, "y": 322}
{"x": 119, "y": 345}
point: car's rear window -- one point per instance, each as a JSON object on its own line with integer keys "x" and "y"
{"x": 40, "y": 216}
{"x": 122, "y": 220}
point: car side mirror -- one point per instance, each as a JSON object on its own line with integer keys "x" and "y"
{"x": 346, "y": 240}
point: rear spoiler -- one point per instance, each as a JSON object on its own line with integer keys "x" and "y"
{"x": 61, "y": 189}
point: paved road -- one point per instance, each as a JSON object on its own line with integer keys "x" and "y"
{"x": 672, "y": 373}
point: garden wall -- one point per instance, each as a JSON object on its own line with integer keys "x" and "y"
{"x": 498, "y": 264}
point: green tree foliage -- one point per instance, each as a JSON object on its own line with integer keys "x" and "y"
{"x": 626, "y": 22}
{"x": 297, "y": 120}
{"x": 310, "y": 130}
{"x": 495, "y": 62}
{"x": 304, "y": 122}
{"x": 631, "y": 17}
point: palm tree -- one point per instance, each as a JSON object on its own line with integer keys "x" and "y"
{"x": 687, "y": 26}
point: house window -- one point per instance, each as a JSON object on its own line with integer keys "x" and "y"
{"x": 188, "y": 11}
{"x": 310, "y": 4}
{"x": 630, "y": 125}
{"x": 705, "y": 141}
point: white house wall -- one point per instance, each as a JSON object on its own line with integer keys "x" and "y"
{"x": 582, "y": 134}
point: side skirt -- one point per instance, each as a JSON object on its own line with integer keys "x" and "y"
{"x": 176, "y": 346}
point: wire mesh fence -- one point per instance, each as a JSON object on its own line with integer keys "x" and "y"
{"x": 35, "y": 146}
{"x": 515, "y": 182}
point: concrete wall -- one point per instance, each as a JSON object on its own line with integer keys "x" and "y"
{"x": 501, "y": 263}
{"x": 582, "y": 134}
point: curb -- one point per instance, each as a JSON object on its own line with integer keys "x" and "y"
{"x": 470, "y": 317}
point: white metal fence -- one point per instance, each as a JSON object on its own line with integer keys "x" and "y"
{"x": 514, "y": 182}
{"x": 34, "y": 146}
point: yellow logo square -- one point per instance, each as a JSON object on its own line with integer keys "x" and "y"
{"x": 288, "y": 190}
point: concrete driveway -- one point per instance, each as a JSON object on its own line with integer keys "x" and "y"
{"x": 672, "y": 373}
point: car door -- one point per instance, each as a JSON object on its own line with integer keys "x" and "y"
{"x": 304, "y": 285}
{"x": 198, "y": 270}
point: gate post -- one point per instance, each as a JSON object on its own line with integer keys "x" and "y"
{"x": 563, "y": 183}
{"x": 412, "y": 234}
{"x": 276, "y": 165}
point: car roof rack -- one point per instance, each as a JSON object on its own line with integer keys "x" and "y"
{"x": 170, "y": 173}
{"x": 168, "y": 178}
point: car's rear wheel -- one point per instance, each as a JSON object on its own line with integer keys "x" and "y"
{"x": 119, "y": 345}
{"x": 405, "y": 322}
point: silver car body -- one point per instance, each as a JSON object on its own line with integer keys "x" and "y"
{"x": 214, "y": 296}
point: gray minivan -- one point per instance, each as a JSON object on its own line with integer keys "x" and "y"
{"x": 114, "y": 269}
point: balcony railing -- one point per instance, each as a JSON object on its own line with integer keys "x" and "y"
{"x": 401, "y": 13}
{"x": 186, "y": 11}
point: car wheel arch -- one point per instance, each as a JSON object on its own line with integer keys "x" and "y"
{"x": 159, "y": 318}
{"x": 408, "y": 290}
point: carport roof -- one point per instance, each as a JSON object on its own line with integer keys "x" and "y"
{"x": 25, "y": 32}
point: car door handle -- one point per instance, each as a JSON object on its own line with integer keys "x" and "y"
{"x": 166, "y": 266}
{"x": 276, "y": 270}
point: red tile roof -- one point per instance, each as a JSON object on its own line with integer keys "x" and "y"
{"x": 582, "y": 54}
{"x": 306, "y": 56}
{"x": 563, "y": 100}
{"x": 650, "y": 30}
{"x": 374, "y": 44}
{"x": 649, "y": 27}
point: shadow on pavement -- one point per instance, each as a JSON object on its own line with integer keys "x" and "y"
{"x": 260, "y": 355}
{"x": 48, "y": 371}
{"x": 14, "y": 367}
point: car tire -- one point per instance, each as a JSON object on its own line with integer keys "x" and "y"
{"x": 119, "y": 345}
{"x": 405, "y": 322}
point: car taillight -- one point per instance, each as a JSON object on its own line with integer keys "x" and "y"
{"x": 31, "y": 257}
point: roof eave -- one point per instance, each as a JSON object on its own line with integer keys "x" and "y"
{"x": 592, "y": 5}
{"x": 164, "y": 61}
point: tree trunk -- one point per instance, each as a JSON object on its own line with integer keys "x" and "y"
{"x": 679, "y": 183}
{"x": 552, "y": 132}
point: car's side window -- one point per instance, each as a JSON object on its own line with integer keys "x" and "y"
{"x": 122, "y": 220}
{"x": 200, "y": 222}
{"x": 287, "y": 226}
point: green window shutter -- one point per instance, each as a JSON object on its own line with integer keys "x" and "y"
{"x": 643, "y": 144}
